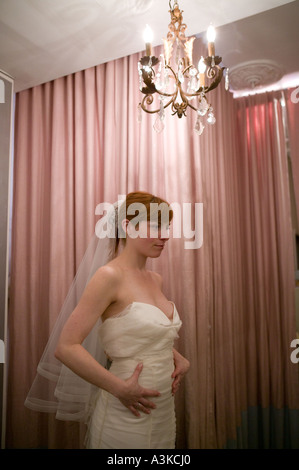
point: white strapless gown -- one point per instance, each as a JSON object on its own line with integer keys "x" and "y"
{"x": 140, "y": 333}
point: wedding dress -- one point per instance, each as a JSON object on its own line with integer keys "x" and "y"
{"x": 140, "y": 333}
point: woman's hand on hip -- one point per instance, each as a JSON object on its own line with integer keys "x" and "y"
{"x": 135, "y": 397}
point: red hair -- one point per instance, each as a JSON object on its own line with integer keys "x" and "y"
{"x": 154, "y": 205}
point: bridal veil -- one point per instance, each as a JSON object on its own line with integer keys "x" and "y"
{"x": 56, "y": 389}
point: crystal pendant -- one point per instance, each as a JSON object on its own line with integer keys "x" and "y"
{"x": 166, "y": 78}
{"x": 180, "y": 73}
{"x": 158, "y": 83}
{"x": 199, "y": 127}
{"x": 203, "y": 106}
{"x": 148, "y": 68}
{"x": 193, "y": 83}
{"x": 160, "y": 63}
{"x": 211, "y": 118}
{"x": 140, "y": 83}
{"x": 140, "y": 76}
{"x": 162, "y": 110}
{"x": 158, "y": 125}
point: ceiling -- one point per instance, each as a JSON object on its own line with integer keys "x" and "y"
{"x": 41, "y": 40}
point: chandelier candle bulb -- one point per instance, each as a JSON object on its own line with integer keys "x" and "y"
{"x": 148, "y": 39}
{"x": 211, "y": 35}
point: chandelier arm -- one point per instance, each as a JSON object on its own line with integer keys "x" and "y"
{"x": 187, "y": 68}
{"x": 154, "y": 90}
{"x": 217, "y": 79}
{"x": 166, "y": 94}
{"x": 198, "y": 92}
{"x": 212, "y": 86}
{"x": 157, "y": 91}
{"x": 185, "y": 95}
{"x": 155, "y": 110}
{"x": 192, "y": 107}
{"x": 151, "y": 87}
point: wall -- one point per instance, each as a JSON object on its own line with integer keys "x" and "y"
{"x": 6, "y": 113}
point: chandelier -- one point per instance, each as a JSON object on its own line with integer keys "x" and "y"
{"x": 184, "y": 88}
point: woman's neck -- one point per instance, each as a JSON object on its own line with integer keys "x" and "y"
{"x": 132, "y": 259}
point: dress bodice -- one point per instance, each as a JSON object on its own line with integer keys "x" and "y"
{"x": 141, "y": 328}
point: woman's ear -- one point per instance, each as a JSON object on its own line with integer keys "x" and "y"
{"x": 124, "y": 225}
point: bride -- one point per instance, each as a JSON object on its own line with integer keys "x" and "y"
{"x": 134, "y": 405}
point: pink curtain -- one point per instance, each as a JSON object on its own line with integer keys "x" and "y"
{"x": 268, "y": 264}
{"x": 78, "y": 143}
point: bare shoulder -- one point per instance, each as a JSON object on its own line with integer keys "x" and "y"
{"x": 99, "y": 293}
{"x": 105, "y": 280}
{"x": 157, "y": 278}
{"x": 107, "y": 275}
{"x": 108, "y": 271}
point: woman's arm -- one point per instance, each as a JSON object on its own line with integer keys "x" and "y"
{"x": 181, "y": 367}
{"x": 98, "y": 295}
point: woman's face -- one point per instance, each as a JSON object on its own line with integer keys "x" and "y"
{"x": 149, "y": 238}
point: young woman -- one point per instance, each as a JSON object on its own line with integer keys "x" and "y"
{"x": 134, "y": 405}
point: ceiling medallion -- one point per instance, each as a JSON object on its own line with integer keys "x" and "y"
{"x": 254, "y": 74}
